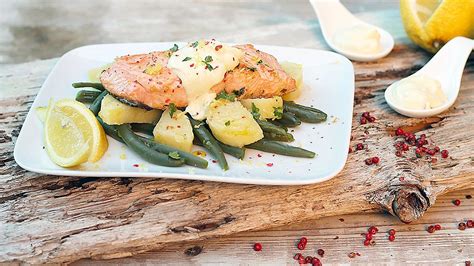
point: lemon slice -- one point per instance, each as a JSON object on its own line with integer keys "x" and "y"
{"x": 72, "y": 134}
{"x": 432, "y": 23}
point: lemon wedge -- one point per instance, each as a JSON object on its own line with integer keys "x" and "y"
{"x": 72, "y": 134}
{"x": 432, "y": 23}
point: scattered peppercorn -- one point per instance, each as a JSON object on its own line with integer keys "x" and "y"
{"x": 437, "y": 227}
{"x": 444, "y": 154}
{"x": 321, "y": 251}
{"x": 470, "y": 224}
{"x": 297, "y": 256}
{"x": 257, "y": 247}
{"x": 456, "y": 202}
{"x": 368, "y": 236}
{"x": 316, "y": 262}
{"x": 375, "y": 160}
{"x": 391, "y": 232}
{"x": 368, "y": 161}
{"x": 391, "y": 238}
{"x": 373, "y": 230}
{"x": 399, "y": 132}
{"x": 462, "y": 226}
{"x": 431, "y": 229}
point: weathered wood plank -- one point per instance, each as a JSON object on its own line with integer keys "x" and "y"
{"x": 60, "y": 219}
{"x": 338, "y": 236}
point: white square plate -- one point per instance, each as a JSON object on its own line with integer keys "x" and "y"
{"x": 329, "y": 86}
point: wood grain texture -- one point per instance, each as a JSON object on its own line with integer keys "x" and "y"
{"x": 337, "y": 236}
{"x": 62, "y": 219}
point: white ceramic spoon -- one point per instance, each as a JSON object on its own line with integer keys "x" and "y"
{"x": 446, "y": 66}
{"x": 333, "y": 17}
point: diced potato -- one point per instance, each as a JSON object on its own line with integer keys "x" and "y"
{"x": 268, "y": 107}
{"x": 295, "y": 71}
{"x": 232, "y": 124}
{"x": 114, "y": 112}
{"x": 174, "y": 131}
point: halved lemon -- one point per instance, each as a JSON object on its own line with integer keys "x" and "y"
{"x": 72, "y": 134}
{"x": 432, "y": 23}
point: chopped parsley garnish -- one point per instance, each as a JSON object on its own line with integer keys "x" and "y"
{"x": 207, "y": 60}
{"x": 226, "y": 96}
{"x": 209, "y": 67}
{"x": 259, "y": 62}
{"x": 172, "y": 108}
{"x": 195, "y": 44}
{"x": 278, "y": 112}
{"x": 239, "y": 92}
{"x": 227, "y": 123}
{"x": 187, "y": 58}
{"x": 251, "y": 69}
{"x": 255, "y": 111}
{"x": 174, "y": 48}
{"x": 174, "y": 155}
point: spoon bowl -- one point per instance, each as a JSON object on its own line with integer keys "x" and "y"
{"x": 334, "y": 17}
{"x": 447, "y": 67}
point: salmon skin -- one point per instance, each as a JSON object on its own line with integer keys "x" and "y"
{"x": 146, "y": 79}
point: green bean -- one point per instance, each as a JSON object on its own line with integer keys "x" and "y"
{"x": 110, "y": 130}
{"x": 305, "y": 113}
{"x": 95, "y": 85}
{"x": 95, "y": 105}
{"x": 272, "y": 136}
{"x": 278, "y": 124}
{"x": 236, "y": 152}
{"x": 289, "y": 120}
{"x": 281, "y": 148}
{"x": 136, "y": 144}
{"x": 209, "y": 142}
{"x": 144, "y": 128}
{"x": 189, "y": 158}
{"x": 86, "y": 96}
{"x": 269, "y": 127}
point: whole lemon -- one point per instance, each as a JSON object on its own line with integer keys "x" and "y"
{"x": 432, "y": 23}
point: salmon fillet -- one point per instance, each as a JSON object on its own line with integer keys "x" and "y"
{"x": 258, "y": 75}
{"x": 146, "y": 79}
{"x": 127, "y": 78}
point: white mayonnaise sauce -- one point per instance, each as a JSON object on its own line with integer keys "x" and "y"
{"x": 418, "y": 93}
{"x": 360, "y": 38}
{"x": 201, "y": 65}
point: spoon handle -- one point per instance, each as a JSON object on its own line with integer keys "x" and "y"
{"x": 450, "y": 60}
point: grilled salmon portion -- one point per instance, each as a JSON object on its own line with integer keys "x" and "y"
{"x": 146, "y": 79}
{"x": 258, "y": 75}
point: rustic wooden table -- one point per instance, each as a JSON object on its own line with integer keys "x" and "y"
{"x": 63, "y": 219}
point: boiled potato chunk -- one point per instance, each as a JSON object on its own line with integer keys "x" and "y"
{"x": 266, "y": 106}
{"x": 174, "y": 131}
{"x": 114, "y": 112}
{"x": 295, "y": 71}
{"x": 232, "y": 124}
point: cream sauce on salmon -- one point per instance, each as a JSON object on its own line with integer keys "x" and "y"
{"x": 200, "y": 65}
